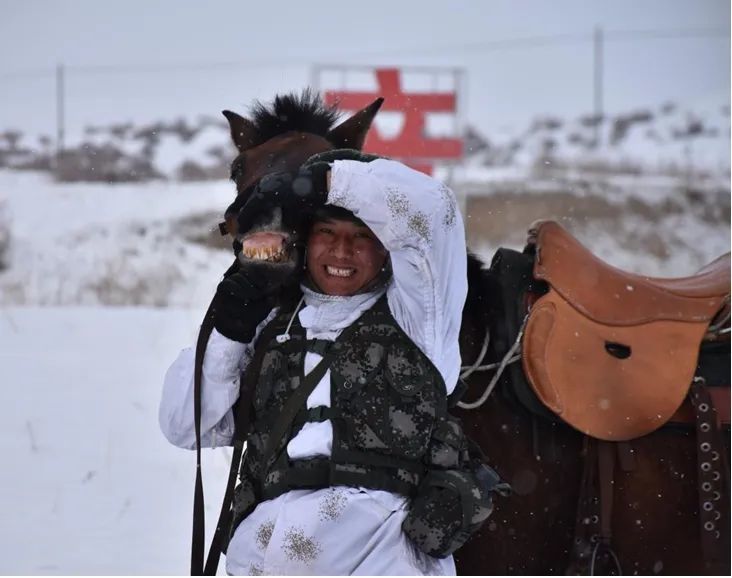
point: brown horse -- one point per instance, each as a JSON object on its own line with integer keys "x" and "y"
{"x": 548, "y": 525}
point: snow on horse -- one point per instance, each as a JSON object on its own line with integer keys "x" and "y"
{"x": 583, "y": 387}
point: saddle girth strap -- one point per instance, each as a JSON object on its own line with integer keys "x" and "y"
{"x": 713, "y": 482}
{"x": 606, "y": 470}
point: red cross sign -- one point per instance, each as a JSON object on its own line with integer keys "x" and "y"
{"x": 411, "y": 145}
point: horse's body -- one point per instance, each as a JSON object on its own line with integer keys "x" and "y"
{"x": 654, "y": 515}
{"x": 655, "y": 525}
{"x": 530, "y": 532}
{"x": 655, "y": 522}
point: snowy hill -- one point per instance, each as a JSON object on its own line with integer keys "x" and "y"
{"x": 670, "y": 138}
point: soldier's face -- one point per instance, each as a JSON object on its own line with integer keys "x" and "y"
{"x": 343, "y": 256}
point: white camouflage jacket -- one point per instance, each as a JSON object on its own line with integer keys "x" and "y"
{"x": 335, "y": 530}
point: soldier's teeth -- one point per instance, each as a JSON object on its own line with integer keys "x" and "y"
{"x": 339, "y": 271}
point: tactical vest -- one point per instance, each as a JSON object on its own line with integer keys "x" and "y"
{"x": 386, "y": 397}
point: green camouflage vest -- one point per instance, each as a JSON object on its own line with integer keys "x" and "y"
{"x": 386, "y": 397}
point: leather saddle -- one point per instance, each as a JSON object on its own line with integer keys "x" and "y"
{"x": 614, "y": 353}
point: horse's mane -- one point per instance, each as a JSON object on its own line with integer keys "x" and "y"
{"x": 305, "y": 112}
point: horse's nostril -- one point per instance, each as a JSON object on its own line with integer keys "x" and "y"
{"x": 618, "y": 350}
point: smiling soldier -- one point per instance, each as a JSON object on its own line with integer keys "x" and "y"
{"x": 353, "y": 464}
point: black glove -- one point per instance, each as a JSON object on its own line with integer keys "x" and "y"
{"x": 241, "y": 305}
{"x": 299, "y": 195}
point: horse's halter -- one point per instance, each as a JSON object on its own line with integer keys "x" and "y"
{"x": 228, "y": 225}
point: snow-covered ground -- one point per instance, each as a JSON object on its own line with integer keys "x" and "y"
{"x": 102, "y": 286}
{"x": 89, "y": 484}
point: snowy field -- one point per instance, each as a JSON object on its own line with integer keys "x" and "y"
{"x": 102, "y": 287}
{"x": 91, "y": 486}
{"x": 98, "y": 244}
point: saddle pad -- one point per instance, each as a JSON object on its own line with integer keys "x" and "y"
{"x": 609, "y": 382}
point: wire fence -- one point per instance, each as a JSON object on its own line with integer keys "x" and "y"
{"x": 59, "y": 101}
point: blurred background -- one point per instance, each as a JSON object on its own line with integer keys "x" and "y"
{"x": 612, "y": 116}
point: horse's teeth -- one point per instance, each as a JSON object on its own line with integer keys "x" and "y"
{"x": 264, "y": 253}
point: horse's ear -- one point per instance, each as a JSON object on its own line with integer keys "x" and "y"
{"x": 351, "y": 133}
{"x": 242, "y": 130}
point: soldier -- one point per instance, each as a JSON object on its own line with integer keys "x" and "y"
{"x": 353, "y": 464}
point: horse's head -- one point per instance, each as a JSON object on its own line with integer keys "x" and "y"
{"x": 281, "y": 137}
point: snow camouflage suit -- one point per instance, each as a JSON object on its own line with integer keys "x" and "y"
{"x": 391, "y": 431}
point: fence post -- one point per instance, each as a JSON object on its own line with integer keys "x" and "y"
{"x": 60, "y": 111}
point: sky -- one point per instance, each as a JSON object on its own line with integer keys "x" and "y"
{"x": 161, "y": 59}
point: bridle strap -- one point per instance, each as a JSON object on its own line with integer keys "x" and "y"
{"x": 199, "y": 527}
{"x": 243, "y": 418}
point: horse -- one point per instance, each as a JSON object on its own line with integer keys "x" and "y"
{"x": 551, "y": 523}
